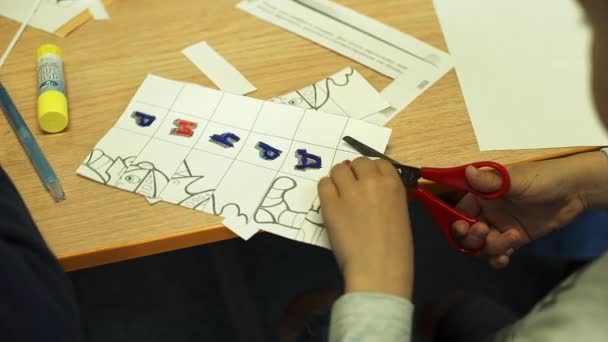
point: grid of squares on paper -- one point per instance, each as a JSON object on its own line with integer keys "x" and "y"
{"x": 285, "y": 127}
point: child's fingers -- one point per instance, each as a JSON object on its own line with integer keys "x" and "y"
{"x": 364, "y": 168}
{"x": 343, "y": 177}
{"x": 327, "y": 189}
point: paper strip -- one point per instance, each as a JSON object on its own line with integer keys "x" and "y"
{"x": 351, "y": 34}
{"x": 223, "y": 74}
{"x": 98, "y": 9}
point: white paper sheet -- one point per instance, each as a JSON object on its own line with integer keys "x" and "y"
{"x": 51, "y": 14}
{"x": 524, "y": 71}
{"x": 223, "y": 74}
{"x": 356, "y": 36}
{"x": 249, "y": 191}
{"x": 346, "y": 93}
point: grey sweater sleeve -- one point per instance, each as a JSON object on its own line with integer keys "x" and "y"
{"x": 363, "y": 316}
{"x": 576, "y": 310}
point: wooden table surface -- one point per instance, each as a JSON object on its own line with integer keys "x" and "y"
{"x": 106, "y": 61}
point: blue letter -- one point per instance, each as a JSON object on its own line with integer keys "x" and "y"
{"x": 225, "y": 139}
{"x": 307, "y": 160}
{"x": 268, "y": 152}
{"x": 142, "y": 119}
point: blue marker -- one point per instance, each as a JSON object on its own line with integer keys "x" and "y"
{"x": 307, "y": 160}
{"x": 41, "y": 164}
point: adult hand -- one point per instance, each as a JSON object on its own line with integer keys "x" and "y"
{"x": 544, "y": 196}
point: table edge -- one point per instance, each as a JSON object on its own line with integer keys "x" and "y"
{"x": 203, "y": 235}
{"x": 137, "y": 249}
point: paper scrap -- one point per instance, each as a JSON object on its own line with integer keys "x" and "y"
{"x": 351, "y": 34}
{"x": 189, "y": 169}
{"x": 346, "y": 93}
{"x": 97, "y": 9}
{"x": 51, "y": 15}
{"x": 244, "y": 231}
{"x": 524, "y": 71}
{"x": 400, "y": 93}
{"x": 223, "y": 74}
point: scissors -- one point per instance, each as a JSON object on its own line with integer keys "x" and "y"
{"x": 443, "y": 214}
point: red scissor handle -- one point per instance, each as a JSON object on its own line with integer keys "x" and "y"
{"x": 445, "y": 216}
{"x": 456, "y": 178}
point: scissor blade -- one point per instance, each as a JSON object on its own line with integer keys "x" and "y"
{"x": 366, "y": 150}
{"x": 409, "y": 174}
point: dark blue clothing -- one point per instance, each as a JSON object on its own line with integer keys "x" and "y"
{"x": 37, "y": 302}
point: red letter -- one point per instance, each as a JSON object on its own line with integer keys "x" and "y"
{"x": 184, "y": 128}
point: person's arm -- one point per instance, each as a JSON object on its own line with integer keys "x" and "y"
{"x": 575, "y": 310}
{"x": 37, "y": 302}
{"x": 597, "y": 196}
{"x": 369, "y": 316}
{"x": 544, "y": 196}
{"x": 365, "y": 212}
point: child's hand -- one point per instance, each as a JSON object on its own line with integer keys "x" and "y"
{"x": 544, "y": 196}
{"x": 365, "y": 211}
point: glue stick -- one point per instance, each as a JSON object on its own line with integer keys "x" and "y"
{"x": 52, "y": 100}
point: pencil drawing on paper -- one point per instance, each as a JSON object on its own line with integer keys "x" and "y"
{"x": 275, "y": 209}
{"x": 188, "y": 189}
{"x": 318, "y": 96}
{"x": 102, "y": 168}
{"x": 232, "y": 210}
{"x": 313, "y": 231}
{"x": 143, "y": 178}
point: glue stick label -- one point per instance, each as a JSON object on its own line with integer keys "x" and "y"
{"x": 50, "y": 73}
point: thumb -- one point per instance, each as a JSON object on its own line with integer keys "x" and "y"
{"x": 483, "y": 181}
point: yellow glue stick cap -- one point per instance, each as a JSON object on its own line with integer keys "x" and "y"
{"x": 52, "y": 111}
{"x": 49, "y": 48}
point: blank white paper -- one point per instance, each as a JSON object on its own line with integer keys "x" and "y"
{"x": 524, "y": 69}
{"x": 223, "y": 74}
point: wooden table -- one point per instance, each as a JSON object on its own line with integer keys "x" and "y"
{"x": 107, "y": 61}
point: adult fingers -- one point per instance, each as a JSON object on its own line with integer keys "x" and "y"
{"x": 469, "y": 205}
{"x": 475, "y": 235}
{"x": 484, "y": 181}
{"x": 498, "y": 243}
